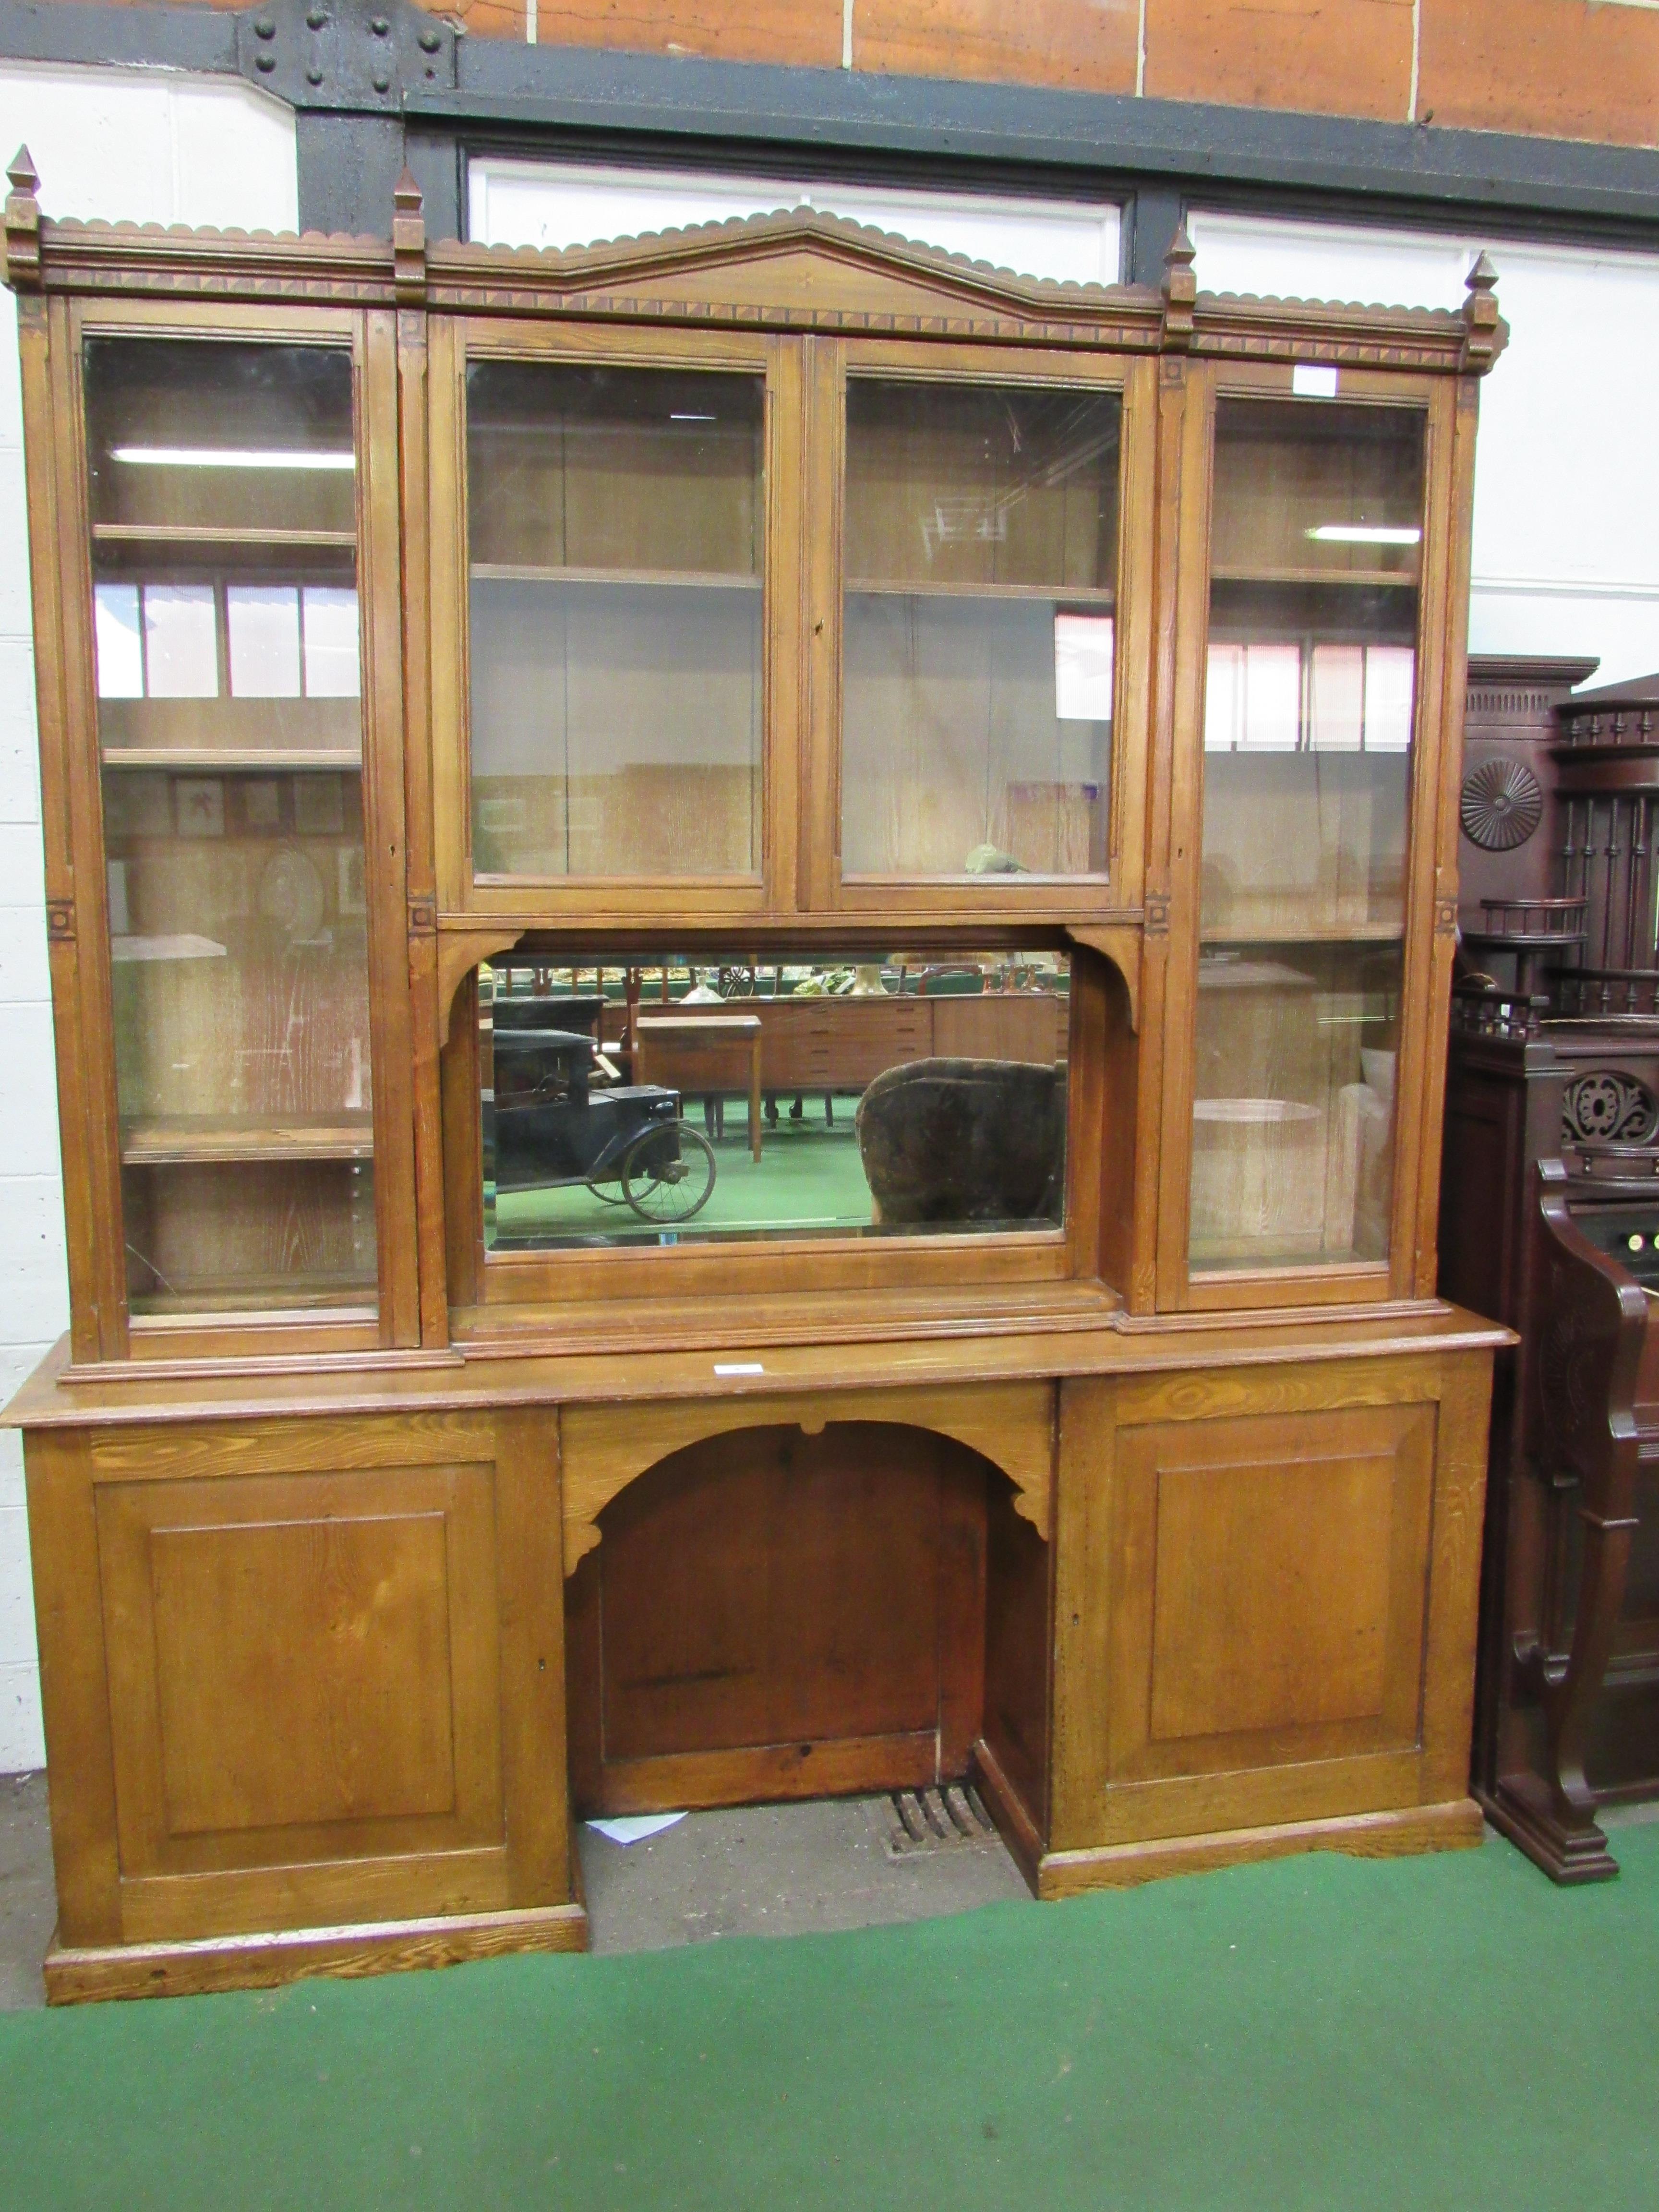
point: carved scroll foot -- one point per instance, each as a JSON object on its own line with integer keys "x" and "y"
{"x": 1570, "y": 1851}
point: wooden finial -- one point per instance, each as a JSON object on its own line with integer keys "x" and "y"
{"x": 1180, "y": 290}
{"x": 23, "y": 224}
{"x": 1484, "y": 329}
{"x": 408, "y": 241}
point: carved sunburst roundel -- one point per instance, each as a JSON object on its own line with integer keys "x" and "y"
{"x": 1502, "y": 804}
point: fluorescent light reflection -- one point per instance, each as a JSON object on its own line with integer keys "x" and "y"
{"x": 1364, "y": 533}
{"x": 228, "y": 456}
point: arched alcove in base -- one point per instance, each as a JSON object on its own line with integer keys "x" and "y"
{"x": 773, "y": 1614}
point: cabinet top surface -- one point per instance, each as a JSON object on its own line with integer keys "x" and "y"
{"x": 483, "y": 1377}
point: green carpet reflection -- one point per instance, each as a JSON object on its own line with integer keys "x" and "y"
{"x": 808, "y": 1177}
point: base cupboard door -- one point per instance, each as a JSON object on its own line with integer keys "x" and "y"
{"x": 1273, "y": 1581}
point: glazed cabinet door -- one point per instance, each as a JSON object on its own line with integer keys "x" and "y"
{"x": 1301, "y": 977}
{"x": 979, "y": 540}
{"x": 233, "y": 587}
{"x": 613, "y": 553}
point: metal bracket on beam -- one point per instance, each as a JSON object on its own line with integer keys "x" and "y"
{"x": 348, "y": 56}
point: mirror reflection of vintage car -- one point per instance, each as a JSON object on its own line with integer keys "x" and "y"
{"x": 556, "y": 1116}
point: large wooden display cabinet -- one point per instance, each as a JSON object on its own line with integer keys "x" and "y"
{"x": 435, "y": 640}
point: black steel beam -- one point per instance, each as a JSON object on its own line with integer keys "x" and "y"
{"x": 138, "y": 37}
{"x": 1153, "y": 155}
{"x": 506, "y": 88}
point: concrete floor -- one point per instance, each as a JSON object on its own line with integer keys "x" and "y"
{"x": 756, "y": 1870}
{"x": 29, "y": 1902}
{"x": 783, "y": 1871}
{"x": 761, "y": 1870}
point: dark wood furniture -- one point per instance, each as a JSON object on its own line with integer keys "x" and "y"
{"x": 785, "y": 587}
{"x": 1598, "y": 1434}
{"x": 1554, "y": 1052}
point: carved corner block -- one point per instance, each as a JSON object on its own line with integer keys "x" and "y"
{"x": 1180, "y": 289}
{"x": 22, "y": 271}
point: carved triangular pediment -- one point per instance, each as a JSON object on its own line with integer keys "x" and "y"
{"x": 797, "y": 266}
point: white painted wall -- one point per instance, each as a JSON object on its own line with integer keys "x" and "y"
{"x": 550, "y": 204}
{"x": 1566, "y": 480}
{"x": 152, "y": 147}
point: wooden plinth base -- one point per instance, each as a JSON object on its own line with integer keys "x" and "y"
{"x": 253, "y": 1962}
{"x": 1454, "y": 1826}
{"x": 1520, "y": 1808}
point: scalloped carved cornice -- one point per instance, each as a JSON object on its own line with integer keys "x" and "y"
{"x": 797, "y": 269}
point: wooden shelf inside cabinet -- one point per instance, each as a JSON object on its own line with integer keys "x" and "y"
{"x": 1355, "y": 932}
{"x": 1370, "y": 580}
{"x": 320, "y": 1297}
{"x": 174, "y": 1139}
{"x": 217, "y": 538}
{"x": 232, "y": 757}
{"x": 706, "y": 580}
{"x": 1064, "y": 595}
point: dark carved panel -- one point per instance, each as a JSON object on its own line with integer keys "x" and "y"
{"x": 1502, "y": 804}
{"x": 1608, "y": 1107}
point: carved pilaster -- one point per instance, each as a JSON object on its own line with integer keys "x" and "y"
{"x": 408, "y": 242}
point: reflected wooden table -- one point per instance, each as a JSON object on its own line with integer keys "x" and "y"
{"x": 700, "y": 1055}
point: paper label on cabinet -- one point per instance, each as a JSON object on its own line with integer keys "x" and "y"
{"x": 1310, "y": 381}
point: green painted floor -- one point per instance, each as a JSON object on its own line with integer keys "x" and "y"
{"x": 1318, "y": 2035}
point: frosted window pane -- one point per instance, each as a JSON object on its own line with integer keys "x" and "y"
{"x": 262, "y": 620}
{"x": 181, "y": 640}
{"x": 1223, "y": 697}
{"x": 1082, "y": 668}
{"x": 1389, "y": 674}
{"x": 1273, "y": 697}
{"x": 120, "y": 653}
{"x": 1336, "y": 700}
{"x": 331, "y": 626}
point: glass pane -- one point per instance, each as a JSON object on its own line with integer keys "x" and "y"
{"x": 982, "y": 564}
{"x": 264, "y": 625}
{"x": 615, "y": 536}
{"x": 659, "y": 1101}
{"x": 1293, "y": 1112}
{"x": 223, "y": 539}
{"x": 222, "y": 486}
{"x": 1308, "y": 704}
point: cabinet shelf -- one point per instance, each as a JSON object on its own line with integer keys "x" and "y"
{"x": 231, "y": 759}
{"x": 530, "y": 572}
{"x": 1078, "y": 595}
{"x": 217, "y": 537}
{"x": 176, "y": 1139}
{"x": 1370, "y": 580}
{"x": 1358, "y": 932}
